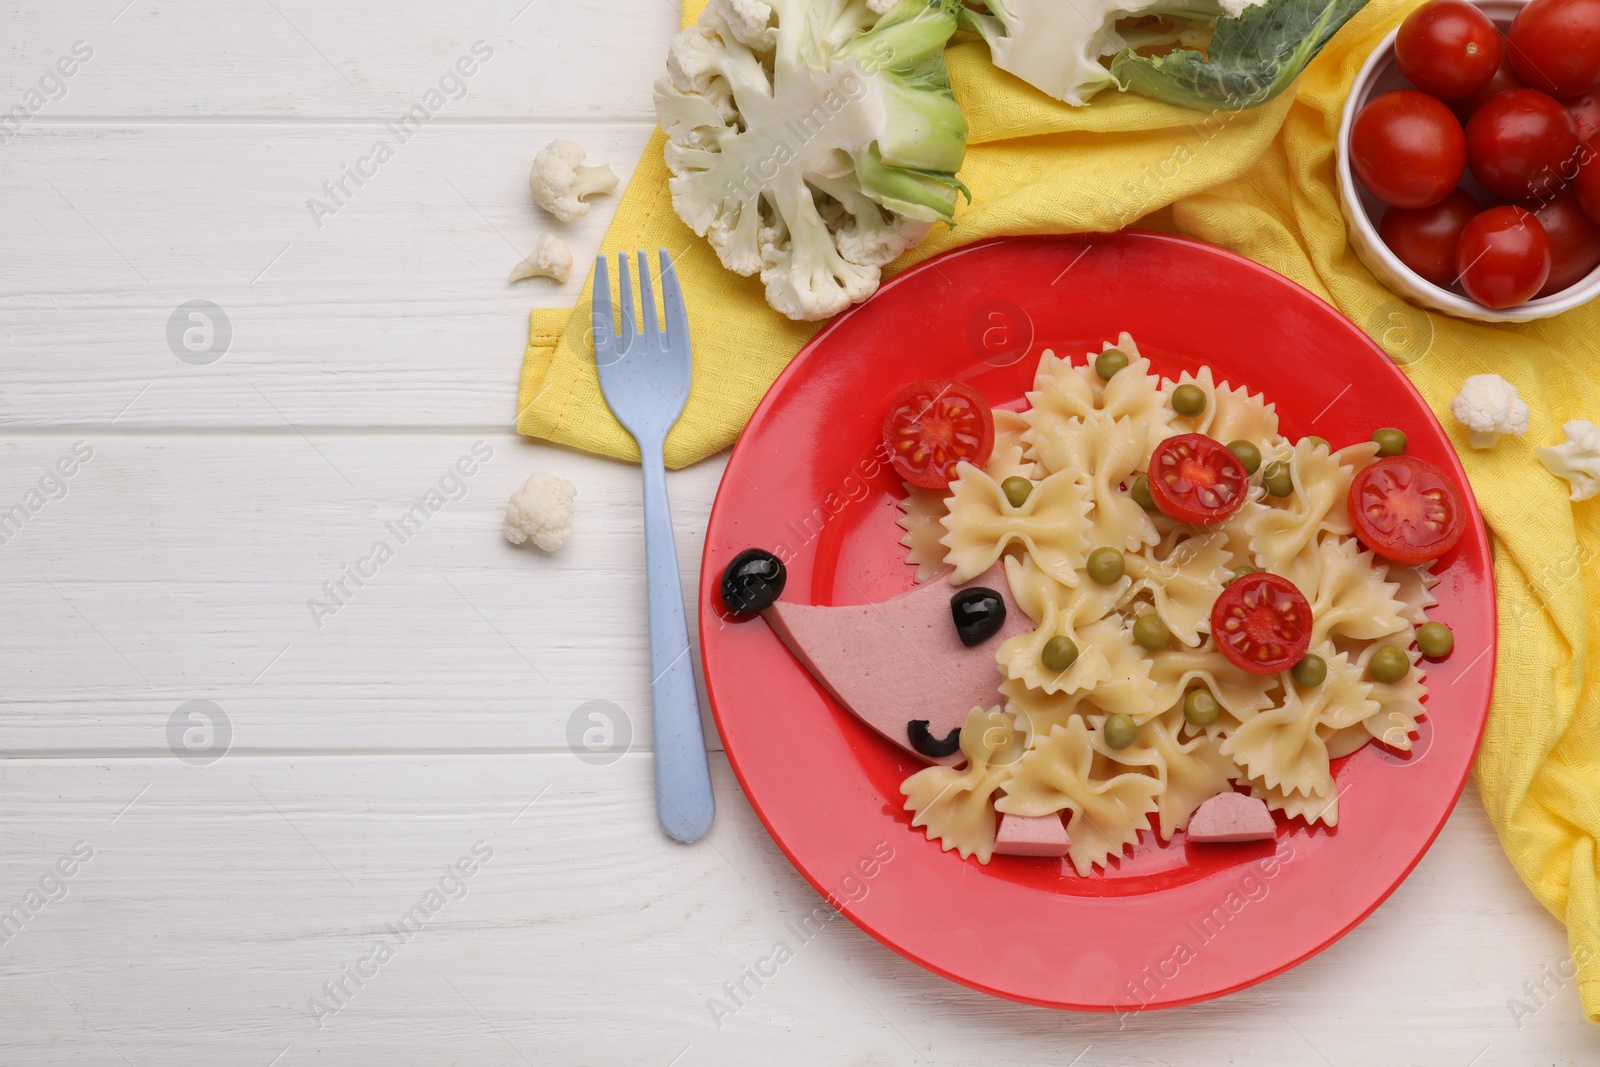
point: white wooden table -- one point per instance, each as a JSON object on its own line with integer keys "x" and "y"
{"x": 246, "y": 857}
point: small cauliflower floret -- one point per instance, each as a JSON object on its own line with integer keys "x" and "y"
{"x": 561, "y": 181}
{"x": 1577, "y": 459}
{"x": 541, "y": 512}
{"x": 1489, "y": 406}
{"x": 552, "y": 259}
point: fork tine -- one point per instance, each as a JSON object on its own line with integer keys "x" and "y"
{"x": 601, "y": 316}
{"x": 647, "y": 296}
{"x": 672, "y": 300}
{"x": 629, "y": 311}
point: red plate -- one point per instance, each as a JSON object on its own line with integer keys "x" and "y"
{"x": 1166, "y": 924}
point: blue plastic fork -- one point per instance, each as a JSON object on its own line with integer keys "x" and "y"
{"x": 644, "y": 375}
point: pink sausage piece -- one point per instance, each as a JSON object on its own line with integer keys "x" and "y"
{"x": 1229, "y": 817}
{"x": 901, "y": 659}
{"x": 1026, "y": 835}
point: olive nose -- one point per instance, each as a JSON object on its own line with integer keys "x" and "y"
{"x": 979, "y": 613}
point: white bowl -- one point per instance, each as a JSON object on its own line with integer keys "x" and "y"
{"x": 1362, "y": 210}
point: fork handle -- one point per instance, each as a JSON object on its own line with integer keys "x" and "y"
{"x": 684, "y": 801}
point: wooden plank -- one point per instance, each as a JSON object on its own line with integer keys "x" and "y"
{"x": 294, "y": 58}
{"x": 181, "y": 568}
{"x": 217, "y": 904}
{"x": 395, "y": 312}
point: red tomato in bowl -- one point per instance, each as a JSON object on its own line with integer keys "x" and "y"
{"x": 1520, "y": 143}
{"x": 1585, "y": 111}
{"x": 1555, "y": 46}
{"x": 1407, "y": 510}
{"x": 934, "y": 425}
{"x": 1587, "y": 187}
{"x": 1425, "y": 238}
{"x": 1261, "y": 623}
{"x": 1448, "y": 49}
{"x": 1504, "y": 257}
{"x": 1574, "y": 241}
{"x": 1407, "y": 149}
{"x": 1195, "y": 478}
{"x": 1504, "y": 78}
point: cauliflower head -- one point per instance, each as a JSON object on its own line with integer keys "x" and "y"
{"x": 562, "y": 182}
{"x": 1577, "y": 459}
{"x": 541, "y": 512}
{"x": 813, "y": 141}
{"x": 1489, "y": 406}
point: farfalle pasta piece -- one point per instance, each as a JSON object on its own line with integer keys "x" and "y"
{"x": 1021, "y": 658}
{"x": 1057, "y": 773}
{"x": 1416, "y": 589}
{"x": 1353, "y": 600}
{"x": 1284, "y": 746}
{"x": 981, "y": 522}
{"x": 1011, "y": 457}
{"x": 1190, "y": 771}
{"x": 1284, "y": 531}
{"x": 1311, "y": 809}
{"x": 1108, "y": 454}
{"x": 1242, "y": 416}
{"x": 922, "y": 513}
{"x": 1064, "y": 394}
{"x": 1242, "y": 695}
{"x": 956, "y": 806}
{"x": 1399, "y": 703}
{"x": 1183, "y": 586}
{"x": 1034, "y": 711}
{"x": 1036, "y": 593}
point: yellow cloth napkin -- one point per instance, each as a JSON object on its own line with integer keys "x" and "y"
{"x": 1261, "y": 184}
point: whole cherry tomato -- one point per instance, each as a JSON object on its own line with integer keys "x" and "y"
{"x": 1555, "y": 46}
{"x": 1504, "y": 257}
{"x": 1504, "y": 78}
{"x": 1574, "y": 240}
{"x": 1587, "y": 186}
{"x": 1448, "y": 49}
{"x": 1519, "y": 143}
{"x": 1425, "y": 238}
{"x": 1586, "y": 113}
{"x": 1407, "y": 149}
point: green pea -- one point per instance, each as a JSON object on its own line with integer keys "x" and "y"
{"x": 1059, "y": 653}
{"x": 1317, "y": 442}
{"x": 1388, "y": 664}
{"x": 1120, "y": 731}
{"x": 1140, "y": 491}
{"x": 1277, "y": 479}
{"x": 1200, "y": 708}
{"x": 1248, "y": 454}
{"x": 1105, "y": 566}
{"x": 1240, "y": 572}
{"x": 1435, "y": 640}
{"x": 1109, "y": 362}
{"x": 1188, "y": 400}
{"x": 1151, "y": 633}
{"x": 1390, "y": 441}
{"x": 1016, "y": 490}
{"x": 1310, "y": 672}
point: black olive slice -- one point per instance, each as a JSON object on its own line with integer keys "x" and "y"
{"x": 927, "y": 744}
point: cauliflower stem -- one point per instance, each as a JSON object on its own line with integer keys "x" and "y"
{"x": 813, "y": 141}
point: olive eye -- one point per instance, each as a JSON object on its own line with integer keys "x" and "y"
{"x": 978, "y": 613}
{"x": 927, "y": 744}
{"x": 752, "y": 581}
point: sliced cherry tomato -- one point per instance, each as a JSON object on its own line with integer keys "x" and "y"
{"x": 1262, "y": 623}
{"x": 1574, "y": 241}
{"x": 1555, "y": 46}
{"x": 1407, "y": 510}
{"x": 1504, "y": 78}
{"x": 1425, "y": 238}
{"x": 1520, "y": 143}
{"x": 1407, "y": 149}
{"x": 1195, "y": 478}
{"x": 933, "y": 425}
{"x": 1448, "y": 49}
{"x": 1587, "y": 186}
{"x": 1504, "y": 257}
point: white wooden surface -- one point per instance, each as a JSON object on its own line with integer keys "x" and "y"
{"x": 430, "y": 713}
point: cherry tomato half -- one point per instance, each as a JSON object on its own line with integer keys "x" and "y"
{"x": 933, "y": 425}
{"x": 1519, "y": 143}
{"x": 1448, "y": 49}
{"x": 1195, "y": 478}
{"x": 1425, "y": 238}
{"x": 1504, "y": 78}
{"x": 1504, "y": 257}
{"x": 1574, "y": 241}
{"x": 1587, "y": 186}
{"x": 1407, "y": 149}
{"x": 1555, "y": 46}
{"x": 1262, "y": 623}
{"x": 1407, "y": 510}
